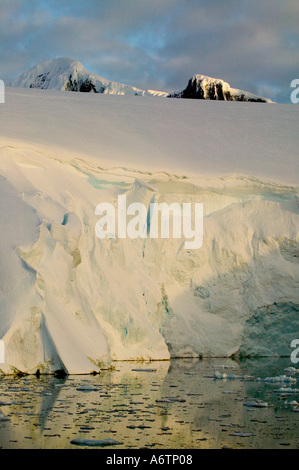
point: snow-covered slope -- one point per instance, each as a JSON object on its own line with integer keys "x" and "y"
{"x": 71, "y": 301}
{"x": 208, "y": 88}
{"x": 69, "y": 75}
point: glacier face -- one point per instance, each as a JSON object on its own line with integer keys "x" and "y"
{"x": 270, "y": 330}
{"x": 71, "y": 301}
{"x": 207, "y": 88}
{"x": 67, "y": 74}
{"x": 81, "y": 302}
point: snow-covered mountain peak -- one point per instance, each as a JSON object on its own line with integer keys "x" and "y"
{"x": 68, "y": 74}
{"x": 208, "y": 88}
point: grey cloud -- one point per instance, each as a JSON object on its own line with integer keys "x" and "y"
{"x": 159, "y": 44}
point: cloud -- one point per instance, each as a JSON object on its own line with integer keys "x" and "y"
{"x": 159, "y": 43}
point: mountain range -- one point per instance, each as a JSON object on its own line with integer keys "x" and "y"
{"x": 67, "y": 74}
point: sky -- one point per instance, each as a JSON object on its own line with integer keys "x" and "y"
{"x": 158, "y": 44}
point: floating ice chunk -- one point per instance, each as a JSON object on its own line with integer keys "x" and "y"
{"x": 257, "y": 404}
{"x": 291, "y": 403}
{"x": 86, "y": 388}
{"x": 289, "y": 390}
{"x": 220, "y": 376}
{"x": 95, "y": 442}
{"x": 291, "y": 370}
{"x": 280, "y": 378}
{"x": 171, "y": 400}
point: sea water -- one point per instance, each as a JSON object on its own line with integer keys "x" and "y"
{"x": 181, "y": 404}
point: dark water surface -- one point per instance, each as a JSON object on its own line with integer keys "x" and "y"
{"x": 161, "y": 405}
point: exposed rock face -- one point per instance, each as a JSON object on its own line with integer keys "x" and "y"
{"x": 206, "y": 88}
{"x": 83, "y": 86}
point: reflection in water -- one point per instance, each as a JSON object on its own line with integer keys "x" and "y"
{"x": 163, "y": 405}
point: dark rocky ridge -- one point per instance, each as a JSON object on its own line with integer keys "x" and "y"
{"x": 202, "y": 87}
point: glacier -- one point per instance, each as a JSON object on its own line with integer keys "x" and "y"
{"x": 72, "y": 302}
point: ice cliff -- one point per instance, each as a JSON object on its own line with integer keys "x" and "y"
{"x": 71, "y": 301}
